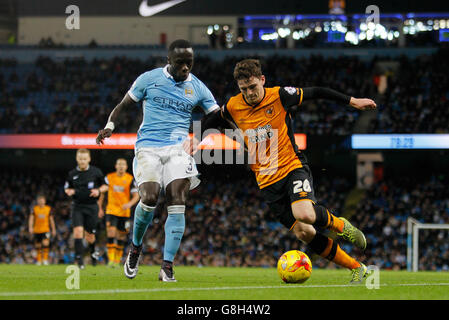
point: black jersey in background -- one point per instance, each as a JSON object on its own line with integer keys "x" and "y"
{"x": 83, "y": 182}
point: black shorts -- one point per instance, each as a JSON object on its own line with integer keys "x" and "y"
{"x": 296, "y": 186}
{"x": 86, "y": 216}
{"x": 38, "y": 237}
{"x": 121, "y": 223}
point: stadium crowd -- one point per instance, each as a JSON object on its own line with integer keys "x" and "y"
{"x": 383, "y": 214}
{"x": 36, "y": 98}
{"x": 229, "y": 224}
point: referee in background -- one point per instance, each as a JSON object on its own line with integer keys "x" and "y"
{"x": 84, "y": 184}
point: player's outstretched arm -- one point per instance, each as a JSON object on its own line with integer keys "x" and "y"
{"x": 330, "y": 94}
{"x": 214, "y": 119}
{"x": 113, "y": 119}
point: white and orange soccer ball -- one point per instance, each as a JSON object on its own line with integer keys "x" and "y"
{"x": 294, "y": 267}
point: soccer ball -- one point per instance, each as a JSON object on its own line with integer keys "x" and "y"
{"x": 294, "y": 267}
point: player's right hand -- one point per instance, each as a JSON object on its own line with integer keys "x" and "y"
{"x": 94, "y": 193}
{"x": 103, "y": 134}
{"x": 69, "y": 191}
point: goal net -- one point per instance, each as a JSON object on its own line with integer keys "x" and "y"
{"x": 413, "y": 229}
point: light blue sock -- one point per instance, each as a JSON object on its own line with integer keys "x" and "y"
{"x": 143, "y": 217}
{"x": 174, "y": 230}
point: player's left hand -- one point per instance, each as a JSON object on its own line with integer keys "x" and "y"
{"x": 53, "y": 233}
{"x": 100, "y": 213}
{"x": 190, "y": 145}
{"x": 94, "y": 193}
{"x": 363, "y": 103}
{"x": 103, "y": 134}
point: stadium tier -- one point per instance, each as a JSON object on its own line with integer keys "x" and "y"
{"x": 411, "y": 93}
{"x": 229, "y": 223}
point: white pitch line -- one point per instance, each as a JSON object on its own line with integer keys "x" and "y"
{"x": 112, "y": 291}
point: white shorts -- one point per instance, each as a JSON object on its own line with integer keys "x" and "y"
{"x": 163, "y": 165}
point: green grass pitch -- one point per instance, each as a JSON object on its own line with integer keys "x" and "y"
{"x": 212, "y": 283}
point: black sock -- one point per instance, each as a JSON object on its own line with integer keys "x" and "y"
{"x": 322, "y": 218}
{"x": 92, "y": 247}
{"x": 79, "y": 248}
{"x": 167, "y": 263}
{"x": 318, "y": 243}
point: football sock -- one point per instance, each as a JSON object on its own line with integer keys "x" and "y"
{"x": 119, "y": 250}
{"x": 79, "y": 249}
{"x": 110, "y": 246}
{"x": 174, "y": 230}
{"x": 343, "y": 259}
{"x": 167, "y": 264}
{"x": 39, "y": 255}
{"x": 92, "y": 247}
{"x": 325, "y": 219}
{"x": 330, "y": 250}
{"x": 46, "y": 251}
{"x": 143, "y": 216}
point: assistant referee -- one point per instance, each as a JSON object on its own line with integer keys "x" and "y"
{"x": 84, "y": 184}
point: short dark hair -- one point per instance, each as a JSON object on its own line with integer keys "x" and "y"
{"x": 247, "y": 68}
{"x": 180, "y": 43}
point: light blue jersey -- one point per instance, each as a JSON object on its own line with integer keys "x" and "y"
{"x": 167, "y": 106}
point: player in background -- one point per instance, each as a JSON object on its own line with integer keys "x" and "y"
{"x": 41, "y": 224}
{"x": 169, "y": 95}
{"x": 284, "y": 177}
{"x": 84, "y": 184}
{"x": 122, "y": 196}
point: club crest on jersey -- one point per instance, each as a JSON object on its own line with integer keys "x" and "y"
{"x": 269, "y": 112}
{"x": 290, "y": 90}
{"x": 188, "y": 92}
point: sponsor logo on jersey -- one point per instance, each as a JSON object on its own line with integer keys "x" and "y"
{"x": 118, "y": 188}
{"x": 172, "y": 103}
{"x": 290, "y": 90}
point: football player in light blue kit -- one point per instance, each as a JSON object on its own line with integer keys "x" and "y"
{"x": 169, "y": 94}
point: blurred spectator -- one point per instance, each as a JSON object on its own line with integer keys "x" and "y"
{"x": 229, "y": 224}
{"x": 37, "y": 98}
{"x": 383, "y": 214}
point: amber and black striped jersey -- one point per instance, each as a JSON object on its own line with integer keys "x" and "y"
{"x": 268, "y": 133}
